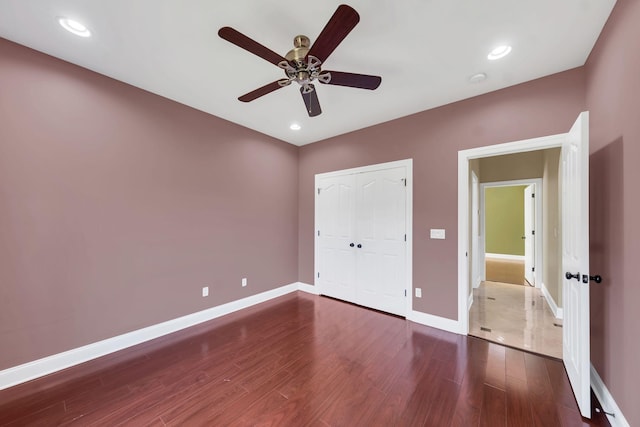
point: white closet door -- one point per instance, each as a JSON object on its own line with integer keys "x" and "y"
{"x": 337, "y": 259}
{"x": 380, "y": 240}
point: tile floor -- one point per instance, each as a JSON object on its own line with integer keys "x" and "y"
{"x": 517, "y": 316}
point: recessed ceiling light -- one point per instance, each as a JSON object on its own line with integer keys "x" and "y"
{"x": 477, "y": 78}
{"x": 499, "y": 52}
{"x": 295, "y": 126}
{"x": 74, "y": 27}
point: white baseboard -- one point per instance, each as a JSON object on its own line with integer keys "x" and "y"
{"x": 304, "y": 287}
{"x": 606, "y": 400}
{"x": 434, "y": 321}
{"x": 47, "y": 365}
{"x": 557, "y": 311}
{"x": 505, "y": 256}
{"x": 470, "y": 301}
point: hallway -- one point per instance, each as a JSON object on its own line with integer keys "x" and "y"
{"x": 516, "y": 316}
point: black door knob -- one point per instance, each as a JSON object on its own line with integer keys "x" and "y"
{"x": 570, "y": 276}
{"x": 351, "y": 244}
{"x": 359, "y": 245}
{"x": 596, "y": 278}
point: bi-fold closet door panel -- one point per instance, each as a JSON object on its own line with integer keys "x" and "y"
{"x": 363, "y": 238}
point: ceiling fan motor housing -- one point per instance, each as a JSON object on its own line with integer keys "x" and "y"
{"x": 299, "y": 52}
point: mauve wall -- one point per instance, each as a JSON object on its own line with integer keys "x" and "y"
{"x": 432, "y": 138}
{"x": 117, "y": 206}
{"x": 613, "y": 97}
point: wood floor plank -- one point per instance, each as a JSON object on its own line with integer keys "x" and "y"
{"x": 496, "y": 367}
{"x": 543, "y": 408}
{"x": 470, "y": 397}
{"x": 494, "y": 408}
{"x": 446, "y": 397}
{"x": 514, "y": 360}
{"x": 518, "y": 404}
{"x": 560, "y": 385}
{"x": 303, "y": 360}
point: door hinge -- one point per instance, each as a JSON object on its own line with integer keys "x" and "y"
{"x": 318, "y": 191}
{"x": 318, "y": 274}
{"x": 533, "y": 232}
{"x": 405, "y": 181}
{"x": 533, "y": 194}
{"x": 405, "y": 292}
{"x": 318, "y": 232}
{"x": 405, "y": 237}
{"x": 533, "y": 269}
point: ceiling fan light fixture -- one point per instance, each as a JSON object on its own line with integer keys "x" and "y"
{"x": 74, "y": 27}
{"x": 295, "y": 126}
{"x": 499, "y": 52}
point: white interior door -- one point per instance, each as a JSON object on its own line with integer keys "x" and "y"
{"x": 575, "y": 260}
{"x": 380, "y": 240}
{"x": 337, "y": 259}
{"x": 529, "y": 234}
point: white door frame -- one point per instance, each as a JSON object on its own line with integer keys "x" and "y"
{"x": 408, "y": 165}
{"x": 538, "y": 225}
{"x": 477, "y": 242}
{"x": 464, "y": 156}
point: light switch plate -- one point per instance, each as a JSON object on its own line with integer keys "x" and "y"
{"x": 437, "y": 233}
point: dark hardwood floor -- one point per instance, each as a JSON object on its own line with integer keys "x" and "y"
{"x": 304, "y": 360}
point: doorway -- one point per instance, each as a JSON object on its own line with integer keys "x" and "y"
{"x": 506, "y": 307}
{"x": 510, "y": 232}
{"x": 573, "y": 175}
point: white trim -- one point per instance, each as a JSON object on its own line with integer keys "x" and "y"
{"x": 47, "y": 365}
{"x": 470, "y": 301}
{"x": 464, "y": 156}
{"x": 368, "y": 168}
{"x": 557, "y": 311}
{"x": 408, "y": 165}
{"x": 505, "y": 256}
{"x": 310, "y": 289}
{"x": 606, "y": 400}
{"x": 434, "y": 321}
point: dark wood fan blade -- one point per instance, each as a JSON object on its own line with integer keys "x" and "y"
{"x": 311, "y": 101}
{"x": 362, "y": 81}
{"x": 341, "y": 23}
{"x": 239, "y": 39}
{"x": 261, "y": 91}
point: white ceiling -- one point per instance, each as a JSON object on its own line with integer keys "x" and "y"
{"x": 425, "y": 51}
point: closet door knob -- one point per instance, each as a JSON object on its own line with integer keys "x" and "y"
{"x": 359, "y": 245}
{"x": 351, "y": 244}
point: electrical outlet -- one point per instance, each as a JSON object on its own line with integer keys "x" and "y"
{"x": 205, "y": 291}
{"x": 418, "y": 292}
{"x": 244, "y": 281}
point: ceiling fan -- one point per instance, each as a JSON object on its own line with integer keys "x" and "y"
{"x": 303, "y": 63}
